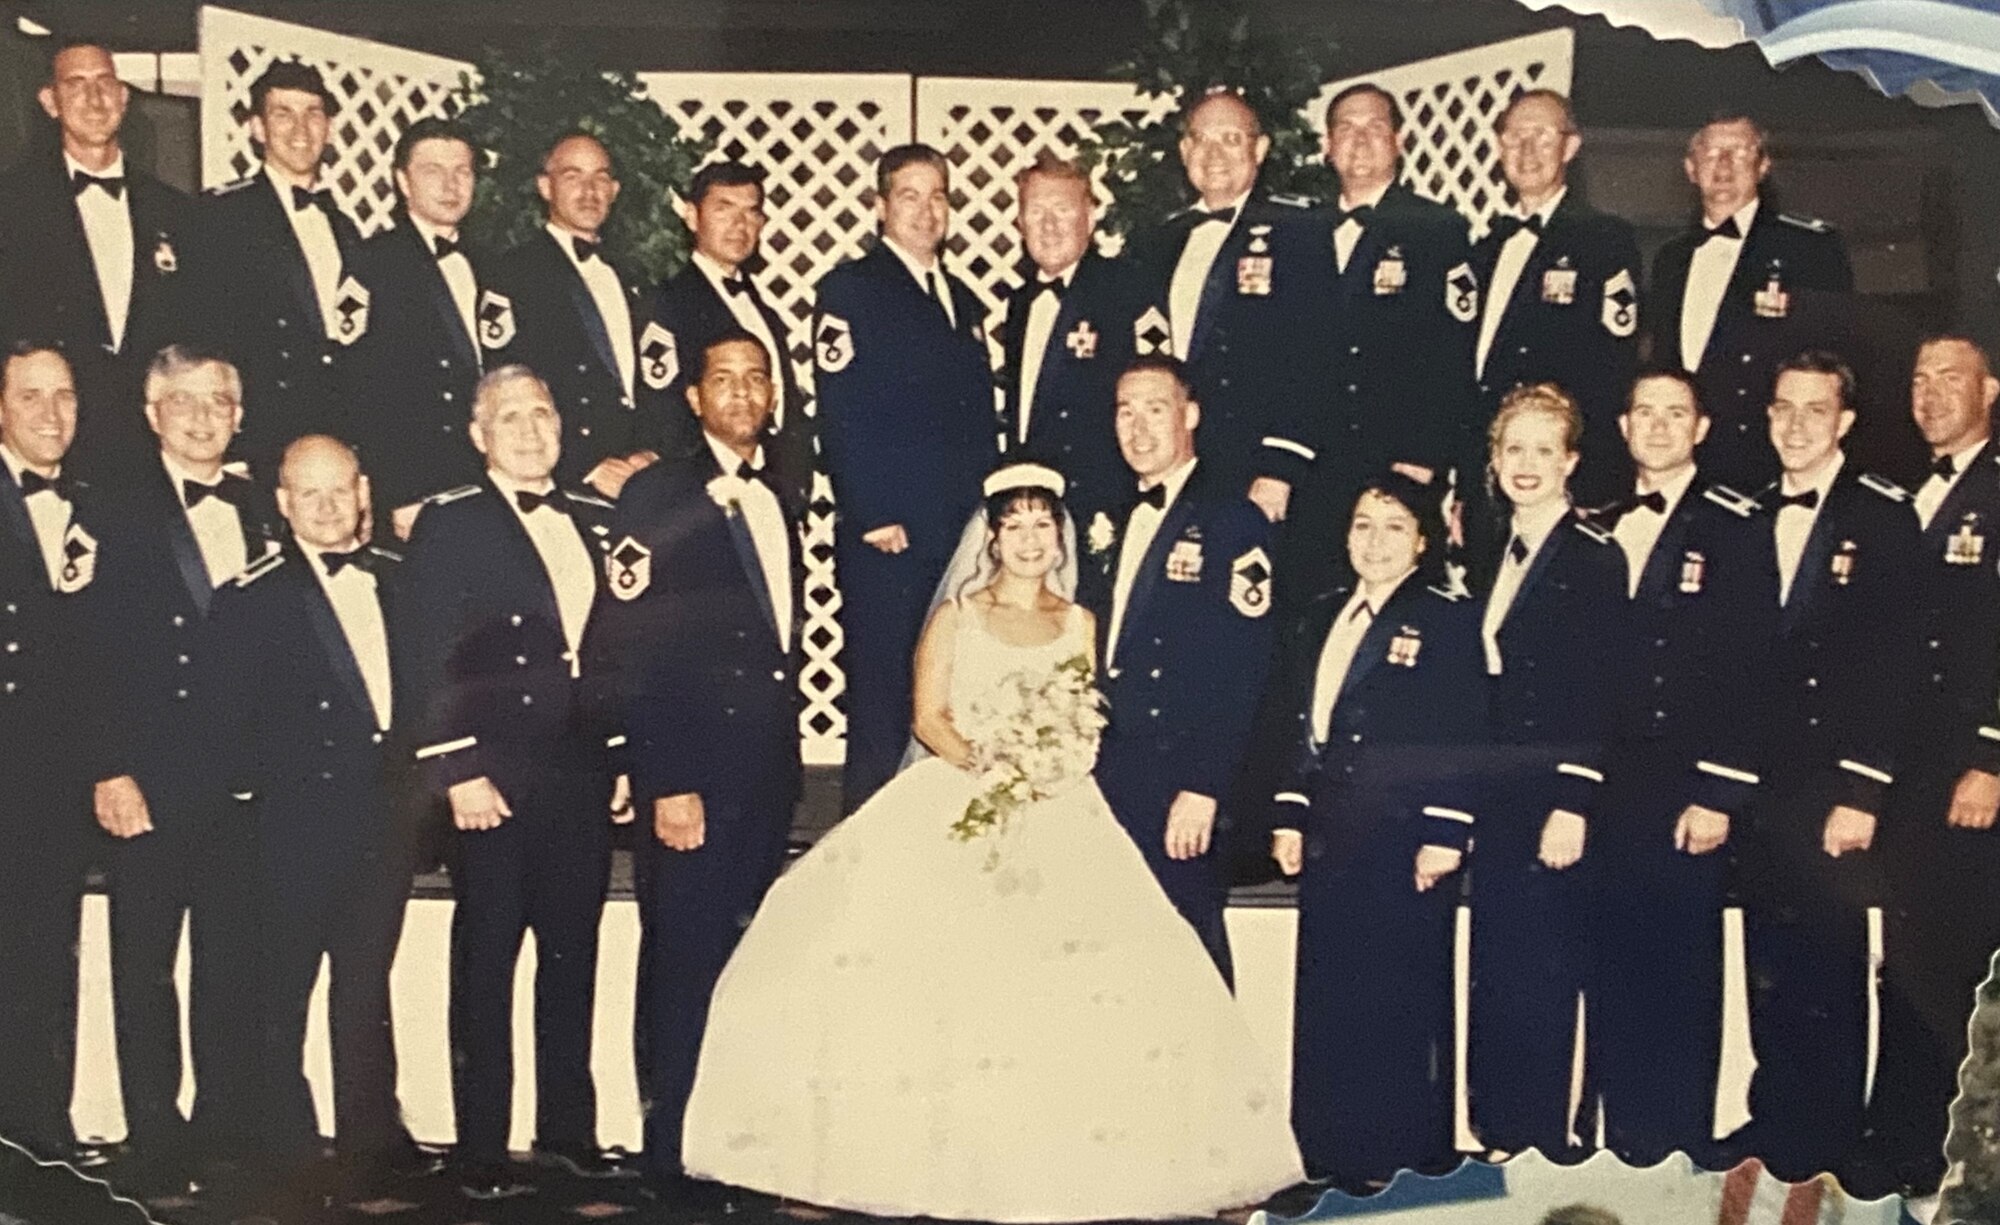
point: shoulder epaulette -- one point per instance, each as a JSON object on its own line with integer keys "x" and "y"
{"x": 1884, "y": 486}
{"x": 1451, "y": 594}
{"x": 1814, "y": 224}
{"x": 378, "y": 551}
{"x": 259, "y": 568}
{"x": 1289, "y": 200}
{"x": 233, "y": 187}
{"x": 449, "y": 496}
{"x": 1730, "y": 500}
{"x": 237, "y": 468}
{"x": 1593, "y": 531}
{"x": 588, "y": 500}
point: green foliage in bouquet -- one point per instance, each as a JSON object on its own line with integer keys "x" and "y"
{"x": 1192, "y": 46}
{"x": 516, "y": 108}
{"x": 1037, "y": 738}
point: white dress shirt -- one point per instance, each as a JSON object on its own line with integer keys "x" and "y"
{"x": 1139, "y": 532}
{"x": 1507, "y": 270}
{"x": 456, "y": 270}
{"x": 766, "y": 521}
{"x": 358, "y": 608}
{"x": 929, "y": 278}
{"x": 48, "y": 511}
{"x": 107, "y": 227}
{"x": 1347, "y": 235}
{"x": 217, "y": 527}
{"x": 1932, "y": 493}
{"x": 314, "y": 230}
{"x": 1532, "y": 528}
{"x": 1204, "y": 243}
{"x": 1795, "y": 523}
{"x": 1336, "y": 658}
{"x": 751, "y": 320}
{"x": 1709, "y": 272}
{"x": 609, "y": 295}
{"x": 1638, "y": 530}
{"x": 564, "y": 555}
{"x": 1042, "y": 313}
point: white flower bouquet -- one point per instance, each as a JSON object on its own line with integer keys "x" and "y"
{"x": 1032, "y": 738}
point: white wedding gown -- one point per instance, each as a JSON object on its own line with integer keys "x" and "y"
{"x": 904, "y": 1032}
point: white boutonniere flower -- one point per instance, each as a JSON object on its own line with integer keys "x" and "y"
{"x": 1102, "y": 533}
{"x": 726, "y": 492}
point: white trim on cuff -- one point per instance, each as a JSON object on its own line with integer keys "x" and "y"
{"x": 1734, "y": 776}
{"x": 1449, "y": 814}
{"x": 1991, "y": 733}
{"x": 1866, "y": 771}
{"x": 1564, "y": 767}
{"x": 449, "y": 746}
{"x": 1297, "y": 448}
{"x": 1292, "y": 797}
{"x": 615, "y": 742}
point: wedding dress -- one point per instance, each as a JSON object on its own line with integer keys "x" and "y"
{"x": 910, "y": 1028}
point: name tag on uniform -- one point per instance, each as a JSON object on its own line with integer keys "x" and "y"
{"x": 1253, "y": 276}
{"x": 1842, "y": 566}
{"x": 1404, "y": 646}
{"x": 1559, "y": 284}
{"x": 1391, "y": 274}
{"x": 1184, "y": 562}
{"x": 1965, "y": 546}
{"x": 1692, "y": 565}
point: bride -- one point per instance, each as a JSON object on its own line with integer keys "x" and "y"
{"x": 1016, "y": 1026}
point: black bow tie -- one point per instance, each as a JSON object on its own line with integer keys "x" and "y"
{"x": 585, "y": 249}
{"x": 33, "y": 482}
{"x": 1728, "y": 229}
{"x": 1942, "y": 467}
{"x": 446, "y": 246}
{"x": 113, "y": 185}
{"x": 531, "y": 502}
{"x": 746, "y": 472}
{"x": 1655, "y": 501}
{"x": 335, "y": 562}
{"x": 1517, "y": 549}
{"x": 1809, "y": 499}
{"x": 1506, "y": 227}
{"x": 192, "y": 492}
{"x": 1360, "y": 214}
{"x": 1156, "y": 497}
{"x": 303, "y": 199}
{"x": 1226, "y": 216}
{"x": 736, "y": 286}
{"x": 1057, "y": 287}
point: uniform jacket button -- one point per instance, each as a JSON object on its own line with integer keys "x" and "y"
{"x": 585, "y": 431}
{"x": 325, "y": 705}
{"x": 446, "y": 397}
{"x": 527, "y": 699}
{"x": 520, "y": 661}
{"x": 778, "y": 675}
{"x": 180, "y": 695}
{"x": 515, "y": 619}
{"x": 444, "y": 363}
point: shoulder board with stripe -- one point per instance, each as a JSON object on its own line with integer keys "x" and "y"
{"x": 1292, "y": 201}
{"x": 1815, "y": 224}
{"x": 1730, "y": 500}
{"x": 1451, "y": 594}
{"x": 1594, "y": 531}
{"x": 259, "y": 568}
{"x": 378, "y": 551}
{"x": 447, "y": 497}
{"x": 232, "y": 188}
{"x": 588, "y": 500}
{"x": 1884, "y": 486}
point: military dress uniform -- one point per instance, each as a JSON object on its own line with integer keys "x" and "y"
{"x": 699, "y": 647}
{"x": 1382, "y": 763}
{"x": 690, "y": 309}
{"x": 494, "y": 602}
{"x": 1185, "y": 635}
{"x": 543, "y": 312}
{"x": 168, "y": 543}
{"x": 98, "y": 267}
{"x": 1727, "y": 304}
{"x": 413, "y": 372}
{"x": 1554, "y": 624}
{"x": 1841, "y": 682}
{"x": 1078, "y": 327}
{"x": 1939, "y": 930}
{"x": 1244, "y": 328}
{"x": 908, "y": 433}
{"x": 304, "y": 695}
{"x": 48, "y": 566}
{"x": 1571, "y": 317}
{"x": 1704, "y": 606}
{"x": 280, "y": 300}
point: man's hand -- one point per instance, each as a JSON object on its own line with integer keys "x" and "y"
{"x": 1434, "y": 863}
{"x": 1848, "y": 829}
{"x": 403, "y": 519}
{"x": 1190, "y": 824}
{"x": 1700, "y": 830}
{"x": 1974, "y": 800}
{"x": 1562, "y": 839}
{"x": 1288, "y": 851}
{"x": 477, "y": 804}
{"x": 889, "y": 539}
{"x": 610, "y": 475}
{"x": 1416, "y": 472}
{"x": 621, "y": 800}
{"x": 678, "y": 821}
{"x": 121, "y": 807}
{"x": 1272, "y": 496}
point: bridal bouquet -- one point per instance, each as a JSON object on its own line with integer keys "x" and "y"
{"x": 1032, "y": 738}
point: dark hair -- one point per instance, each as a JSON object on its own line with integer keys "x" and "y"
{"x": 1818, "y": 361}
{"x": 1425, "y": 504}
{"x": 27, "y": 347}
{"x": 578, "y": 134}
{"x": 1367, "y": 87}
{"x": 902, "y": 156}
{"x": 431, "y": 128}
{"x": 1161, "y": 363}
{"x": 72, "y": 43}
{"x": 724, "y": 174}
{"x": 1025, "y": 497}
{"x": 1675, "y": 374}
{"x": 292, "y": 74}
{"x": 730, "y": 336}
{"x": 1580, "y": 1214}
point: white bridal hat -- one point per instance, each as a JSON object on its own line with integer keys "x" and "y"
{"x": 1024, "y": 476}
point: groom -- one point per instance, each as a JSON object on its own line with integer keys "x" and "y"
{"x": 698, "y": 648}
{"x": 1181, "y": 586}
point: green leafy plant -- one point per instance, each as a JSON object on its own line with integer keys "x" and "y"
{"x": 1191, "y": 47}
{"x": 517, "y": 108}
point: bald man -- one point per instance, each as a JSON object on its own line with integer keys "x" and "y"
{"x": 305, "y": 702}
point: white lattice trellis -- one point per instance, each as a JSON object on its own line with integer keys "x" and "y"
{"x": 1449, "y": 104}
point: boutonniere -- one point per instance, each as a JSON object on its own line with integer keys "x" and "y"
{"x": 727, "y": 492}
{"x": 164, "y": 258}
{"x": 1102, "y": 534}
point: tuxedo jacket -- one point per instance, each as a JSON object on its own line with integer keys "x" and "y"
{"x": 685, "y": 650}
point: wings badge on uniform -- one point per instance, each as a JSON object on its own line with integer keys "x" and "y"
{"x": 629, "y": 569}
{"x": 660, "y": 356}
{"x": 496, "y": 319}
{"x": 1250, "y": 583}
{"x": 350, "y": 311}
{"x": 833, "y": 344}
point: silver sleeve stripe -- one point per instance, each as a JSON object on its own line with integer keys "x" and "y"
{"x": 1734, "y": 776}
{"x": 1296, "y": 448}
{"x": 1991, "y": 733}
{"x": 1292, "y": 797}
{"x": 1564, "y": 767}
{"x": 1449, "y": 814}
{"x": 1867, "y": 771}
{"x": 615, "y": 742}
{"x": 449, "y": 746}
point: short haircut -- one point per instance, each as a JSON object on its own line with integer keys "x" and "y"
{"x": 1957, "y": 338}
{"x": 491, "y": 383}
{"x": 731, "y": 336}
{"x": 724, "y": 174}
{"x": 27, "y": 347}
{"x": 1561, "y": 100}
{"x": 301, "y": 443}
{"x": 178, "y": 359}
{"x": 67, "y": 45}
{"x": 292, "y": 74}
{"x": 1818, "y": 361}
{"x": 894, "y": 161}
{"x": 431, "y": 128}
{"x": 1363, "y": 88}
{"x": 1048, "y": 165}
{"x": 1160, "y": 363}
{"x": 578, "y": 134}
{"x": 1729, "y": 115}
{"x": 1425, "y": 504}
{"x": 1196, "y": 101}
{"x": 1672, "y": 373}
{"x": 1537, "y": 398}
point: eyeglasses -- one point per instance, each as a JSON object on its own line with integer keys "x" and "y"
{"x": 188, "y": 403}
